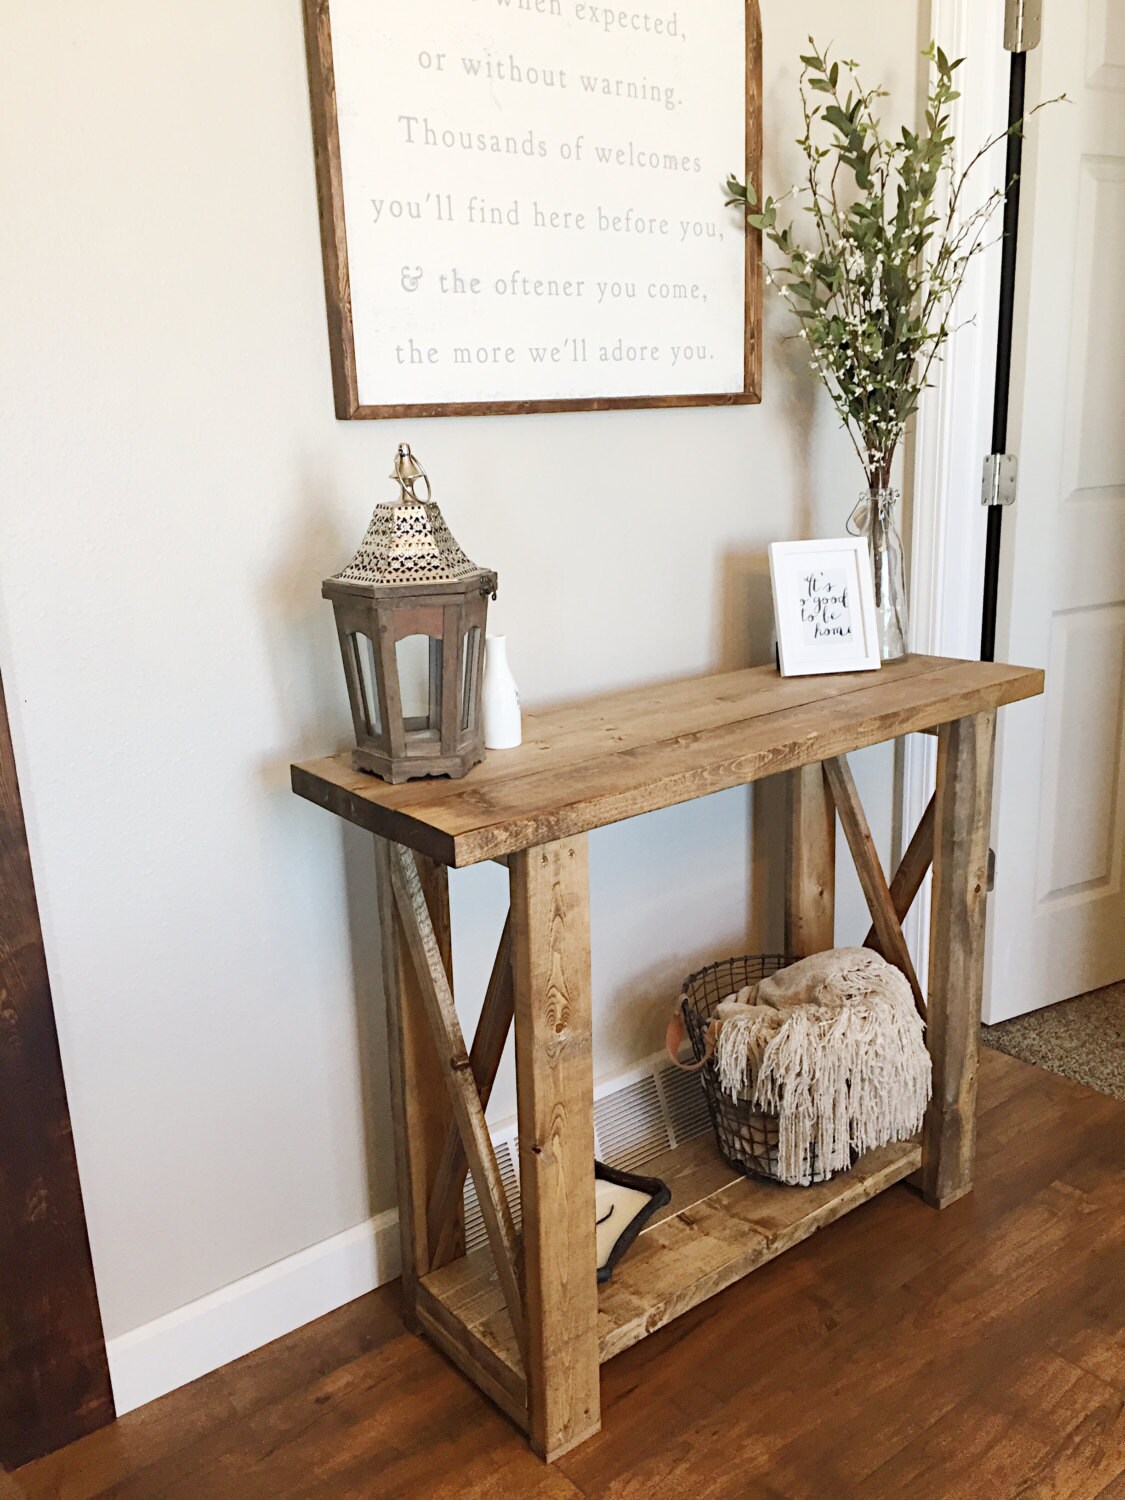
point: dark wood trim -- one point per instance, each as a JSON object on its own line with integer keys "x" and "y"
{"x": 330, "y": 198}
{"x": 754, "y": 275}
{"x": 337, "y": 281}
{"x": 54, "y": 1380}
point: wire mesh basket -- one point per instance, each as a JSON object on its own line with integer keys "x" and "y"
{"x": 747, "y": 1138}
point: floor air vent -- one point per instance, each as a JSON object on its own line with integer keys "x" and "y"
{"x": 685, "y": 1103}
{"x": 507, "y": 1154}
{"x": 630, "y": 1126}
{"x": 635, "y": 1120}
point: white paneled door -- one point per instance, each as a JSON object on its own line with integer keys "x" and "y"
{"x": 1057, "y": 920}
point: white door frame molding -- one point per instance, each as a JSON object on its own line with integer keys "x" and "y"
{"x": 953, "y": 430}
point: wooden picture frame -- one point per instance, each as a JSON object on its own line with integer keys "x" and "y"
{"x": 824, "y": 606}
{"x": 330, "y": 176}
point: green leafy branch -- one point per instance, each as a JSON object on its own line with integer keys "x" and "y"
{"x": 874, "y": 284}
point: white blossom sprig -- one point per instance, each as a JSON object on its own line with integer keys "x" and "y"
{"x": 874, "y": 288}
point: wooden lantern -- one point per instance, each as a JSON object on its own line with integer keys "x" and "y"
{"x": 410, "y": 579}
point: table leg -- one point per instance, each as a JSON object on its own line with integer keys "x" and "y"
{"x": 420, "y": 1104}
{"x": 810, "y": 887}
{"x": 962, "y": 818}
{"x": 554, "y": 1078}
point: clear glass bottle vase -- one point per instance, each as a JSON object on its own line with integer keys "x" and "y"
{"x": 876, "y": 518}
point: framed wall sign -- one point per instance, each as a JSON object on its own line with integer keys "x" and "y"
{"x": 522, "y": 203}
{"x": 824, "y": 606}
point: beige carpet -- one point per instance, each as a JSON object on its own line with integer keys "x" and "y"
{"x": 1083, "y": 1039}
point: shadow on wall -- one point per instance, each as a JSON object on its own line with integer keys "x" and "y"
{"x": 311, "y": 701}
{"x": 744, "y": 625}
{"x": 744, "y": 613}
{"x": 308, "y": 685}
{"x": 365, "y": 935}
{"x": 745, "y": 628}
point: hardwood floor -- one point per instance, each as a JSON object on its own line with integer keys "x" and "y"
{"x": 977, "y": 1352}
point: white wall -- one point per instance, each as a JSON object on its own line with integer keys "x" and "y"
{"x": 175, "y": 487}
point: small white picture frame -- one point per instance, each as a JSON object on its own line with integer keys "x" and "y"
{"x": 824, "y": 606}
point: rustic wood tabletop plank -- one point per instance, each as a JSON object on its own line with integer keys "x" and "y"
{"x": 588, "y": 764}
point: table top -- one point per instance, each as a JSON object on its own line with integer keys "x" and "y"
{"x": 587, "y": 764}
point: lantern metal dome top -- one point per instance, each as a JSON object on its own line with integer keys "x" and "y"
{"x": 408, "y": 541}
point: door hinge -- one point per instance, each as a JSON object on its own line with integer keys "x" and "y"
{"x": 998, "y": 481}
{"x": 990, "y": 871}
{"x": 1023, "y": 24}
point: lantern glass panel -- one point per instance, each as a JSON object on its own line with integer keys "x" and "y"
{"x": 415, "y": 656}
{"x": 363, "y": 660}
{"x": 470, "y": 654}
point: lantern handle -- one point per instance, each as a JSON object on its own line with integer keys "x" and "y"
{"x": 408, "y": 471}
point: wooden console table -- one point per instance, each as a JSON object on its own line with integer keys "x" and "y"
{"x": 524, "y": 1318}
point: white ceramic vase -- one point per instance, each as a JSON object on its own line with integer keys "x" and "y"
{"x": 501, "y": 699}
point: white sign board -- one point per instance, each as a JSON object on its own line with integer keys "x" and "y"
{"x": 524, "y": 199}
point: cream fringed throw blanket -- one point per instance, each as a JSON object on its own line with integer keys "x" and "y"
{"x": 833, "y": 1046}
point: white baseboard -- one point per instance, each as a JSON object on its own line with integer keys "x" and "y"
{"x": 181, "y": 1346}
{"x": 172, "y": 1350}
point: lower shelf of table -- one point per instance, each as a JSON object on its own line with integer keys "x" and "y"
{"x": 718, "y": 1227}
